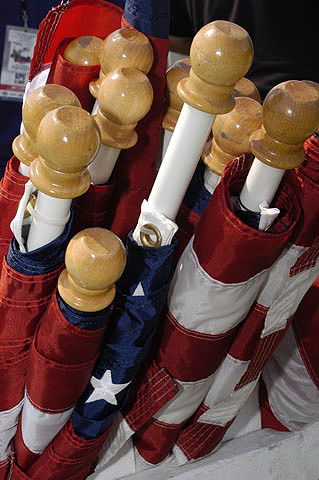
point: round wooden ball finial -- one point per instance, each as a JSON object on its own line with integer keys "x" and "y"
{"x": 221, "y": 53}
{"x": 84, "y": 50}
{"x": 173, "y": 103}
{"x": 41, "y": 101}
{"x": 124, "y": 48}
{"x": 95, "y": 259}
{"x": 231, "y": 134}
{"x": 246, "y": 88}
{"x": 67, "y": 141}
{"x": 125, "y": 96}
{"x": 290, "y": 116}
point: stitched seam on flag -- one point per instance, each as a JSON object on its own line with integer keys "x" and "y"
{"x": 261, "y": 308}
{"x": 144, "y": 408}
{"x": 47, "y": 410}
{"x": 161, "y": 424}
{"x": 249, "y": 376}
{"x": 32, "y": 279}
{"x": 195, "y": 334}
{"x": 201, "y": 437}
{"x": 306, "y": 260}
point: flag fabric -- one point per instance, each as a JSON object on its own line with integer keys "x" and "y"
{"x": 136, "y": 167}
{"x": 289, "y": 392}
{"x": 219, "y": 275}
{"x": 266, "y": 337}
{"x": 27, "y": 282}
{"x": 11, "y": 190}
{"x": 141, "y": 295}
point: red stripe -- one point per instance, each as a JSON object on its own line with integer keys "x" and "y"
{"x": 306, "y": 329}
{"x": 248, "y": 336}
{"x": 4, "y": 469}
{"x": 154, "y": 391}
{"x": 268, "y": 420}
{"x": 61, "y": 361}
{"x": 24, "y": 457}
{"x": 199, "y": 439}
{"x": 155, "y": 439}
{"x": 233, "y": 252}
{"x": 190, "y": 356}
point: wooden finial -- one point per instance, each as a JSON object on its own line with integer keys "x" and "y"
{"x": 246, "y": 88}
{"x": 231, "y": 134}
{"x": 221, "y": 53}
{"x": 290, "y": 116}
{"x": 41, "y": 101}
{"x": 67, "y": 141}
{"x": 173, "y": 103}
{"x": 84, "y": 50}
{"x": 125, "y": 96}
{"x": 123, "y": 48}
{"x": 95, "y": 259}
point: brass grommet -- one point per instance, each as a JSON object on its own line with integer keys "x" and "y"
{"x": 146, "y": 237}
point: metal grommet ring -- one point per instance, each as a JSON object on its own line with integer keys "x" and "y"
{"x": 146, "y": 237}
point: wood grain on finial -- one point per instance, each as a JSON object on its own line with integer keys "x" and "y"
{"x": 231, "y": 133}
{"x": 124, "y": 47}
{"x": 84, "y": 50}
{"x": 95, "y": 259}
{"x": 290, "y": 116}
{"x": 67, "y": 141}
{"x": 173, "y": 103}
{"x": 246, "y": 88}
{"x": 125, "y": 96}
{"x": 221, "y": 53}
{"x": 41, "y": 101}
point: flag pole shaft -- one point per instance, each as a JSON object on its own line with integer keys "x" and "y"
{"x": 261, "y": 185}
{"x": 180, "y": 160}
{"x": 102, "y": 166}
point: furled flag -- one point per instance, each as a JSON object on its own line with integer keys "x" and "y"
{"x": 141, "y": 295}
{"x": 27, "y": 282}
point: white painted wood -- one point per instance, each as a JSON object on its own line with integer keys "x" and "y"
{"x": 261, "y": 185}
{"x": 166, "y": 139}
{"x": 180, "y": 160}
{"x": 50, "y": 217}
{"x": 102, "y": 166}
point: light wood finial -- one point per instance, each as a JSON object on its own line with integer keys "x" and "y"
{"x": 290, "y": 116}
{"x": 41, "y": 101}
{"x": 231, "y": 134}
{"x": 125, "y": 96}
{"x": 124, "y": 47}
{"x": 221, "y": 53}
{"x": 173, "y": 103}
{"x": 67, "y": 141}
{"x": 95, "y": 259}
{"x": 246, "y": 88}
{"x": 84, "y": 50}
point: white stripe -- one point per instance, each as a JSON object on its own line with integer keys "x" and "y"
{"x": 39, "y": 428}
{"x": 283, "y": 293}
{"x": 203, "y": 304}
{"x": 185, "y": 402}
{"x": 226, "y": 378}
{"x": 293, "y": 397}
{"x": 225, "y": 411}
{"x": 8, "y": 427}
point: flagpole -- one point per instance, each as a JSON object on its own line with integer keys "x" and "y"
{"x": 290, "y": 116}
{"x": 206, "y": 92}
{"x": 41, "y": 101}
{"x": 124, "y": 47}
{"x": 67, "y": 141}
{"x": 124, "y": 97}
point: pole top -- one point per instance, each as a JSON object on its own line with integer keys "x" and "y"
{"x": 290, "y": 116}
{"x": 84, "y": 50}
{"x": 41, "y": 101}
{"x": 231, "y": 133}
{"x": 67, "y": 141}
{"x": 95, "y": 259}
{"x": 246, "y": 88}
{"x": 124, "y": 47}
{"x": 125, "y": 96}
{"x": 221, "y": 53}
